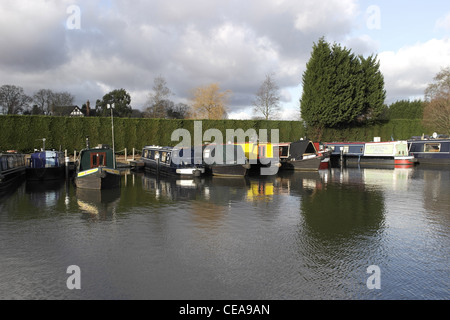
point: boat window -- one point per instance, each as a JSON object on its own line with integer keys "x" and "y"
{"x": 163, "y": 156}
{"x": 145, "y": 155}
{"x": 156, "y": 155}
{"x": 98, "y": 159}
{"x": 432, "y": 147}
{"x": 168, "y": 158}
{"x": 283, "y": 151}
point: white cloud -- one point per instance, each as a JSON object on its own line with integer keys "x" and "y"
{"x": 191, "y": 43}
{"x": 408, "y": 71}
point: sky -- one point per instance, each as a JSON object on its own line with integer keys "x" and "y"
{"x": 91, "y": 47}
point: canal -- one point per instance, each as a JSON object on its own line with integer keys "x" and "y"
{"x": 293, "y": 236}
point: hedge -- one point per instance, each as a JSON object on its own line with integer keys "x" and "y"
{"x": 25, "y": 133}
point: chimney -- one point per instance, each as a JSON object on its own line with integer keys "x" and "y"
{"x": 87, "y": 108}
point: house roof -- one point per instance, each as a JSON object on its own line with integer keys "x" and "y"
{"x": 67, "y": 111}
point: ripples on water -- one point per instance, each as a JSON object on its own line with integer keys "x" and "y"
{"x": 292, "y": 236}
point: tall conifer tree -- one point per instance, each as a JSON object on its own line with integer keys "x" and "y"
{"x": 340, "y": 88}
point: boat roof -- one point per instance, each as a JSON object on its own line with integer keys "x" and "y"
{"x": 298, "y": 148}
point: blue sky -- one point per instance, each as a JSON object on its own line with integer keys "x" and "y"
{"x": 406, "y": 22}
{"x": 127, "y": 44}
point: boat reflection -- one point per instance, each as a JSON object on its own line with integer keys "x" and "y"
{"x": 98, "y": 204}
{"x": 172, "y": 188}
{"x": 44, "y": 193}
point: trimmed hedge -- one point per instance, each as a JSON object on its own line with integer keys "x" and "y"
{"x": 25, "y": 133}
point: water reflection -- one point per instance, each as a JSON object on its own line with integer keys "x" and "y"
{"x": 98, "y": 204}
{"x": 436, "y": 197}
{"x": 171, "y": 188}
{"x": 296, "y": 235}
{"x": 42, "y": 194}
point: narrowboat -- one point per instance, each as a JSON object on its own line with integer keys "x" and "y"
{"x": 176, "y": 161}
{"x": 323, "y": 151}
{"x": 387, "y": 153}
{"x": 430, "y": 151}
{"x": 261, "y": 155}
{"x": 299, "y": 155}
{"x": 343, "y": 151}
{"x": 12, "y": 169}
{"x": 231, "y": 163}
{"x": 372, "y": 154}
{"x": 96, "y": 169}
{"x": 46, "y": 165}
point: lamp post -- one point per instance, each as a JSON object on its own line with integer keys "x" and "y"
{"x": 111, "y": 106}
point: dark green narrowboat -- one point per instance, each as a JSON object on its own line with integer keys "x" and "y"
{"x": 96, "y": 169}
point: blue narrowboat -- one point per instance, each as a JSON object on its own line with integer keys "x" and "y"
{"x": 46, "y": 165}
{"x": 430, "y": 151}
{"x": 176, "y": 161}
{"x": 348, "y": 151}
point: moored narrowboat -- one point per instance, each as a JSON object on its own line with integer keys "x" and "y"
{"x": 387, "y": 153}
{"x": 225, "y": 160}
{"x": 96, "y": 169}
{"x": 299, "y": 155}
{"x": 343, "y": 151}
{"x": 12, "y": 169}
{"x": 371, "y": 154}
{"x": 432, "y": 151}
{"x": 46, "y": 165}
{"x": 181, "y": 162}
{"x": 262, "y": 157}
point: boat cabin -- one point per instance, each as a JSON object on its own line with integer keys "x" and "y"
{"x": 102, "y": 156}
{"x": 432, "y": 151}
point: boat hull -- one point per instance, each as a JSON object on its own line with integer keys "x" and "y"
{"x": 40, "y": 174}
{"x": 98, "y": 179}
{"x": 237, "y": 170}
{"x": 311, "y": 164}
{"x": 163, "y": 168}
{"x": 380, "y": 162}
{"x": 11, "y": 177}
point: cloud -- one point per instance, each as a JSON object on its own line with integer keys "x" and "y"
{"x": 190, "y": 43}
{"x": 32, "y": 34}
{"x": 408, "y": 71}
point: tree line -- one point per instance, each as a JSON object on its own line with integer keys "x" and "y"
{"x": 207, "y": 102}
{"x": 340, "y": 90}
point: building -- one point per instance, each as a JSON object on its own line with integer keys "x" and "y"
{"x": 67, "y": 111}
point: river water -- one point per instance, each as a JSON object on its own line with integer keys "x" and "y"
{"x": 293, "y": 236}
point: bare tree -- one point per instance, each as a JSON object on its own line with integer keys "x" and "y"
{"x": 43, "y": 99}
{"x": 63, "y": 99}
{"x": 158, "y": 101}
{"x": 13, "y": 100}
{"x": 267, "y": 101}
{"x": 47, "y": 100}
{"x": 436, "y": 113}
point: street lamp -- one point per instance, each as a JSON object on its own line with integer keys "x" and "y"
{"x": 111, "y": 106}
